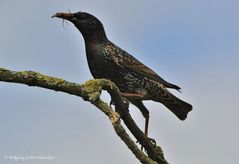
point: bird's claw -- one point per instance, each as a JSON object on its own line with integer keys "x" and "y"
{"x": 153, "y": 141}
{"x": 126, "y": 102}
{"x": 111, "y": 102}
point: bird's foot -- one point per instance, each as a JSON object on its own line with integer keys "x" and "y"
{"x": 126, "y": 102}
{"x": 111, "y": 102}
{"x": 152, "y": 140}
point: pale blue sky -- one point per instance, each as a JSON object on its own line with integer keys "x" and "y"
{"x": 190, "y": 43}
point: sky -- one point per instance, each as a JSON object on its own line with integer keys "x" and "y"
{"x": 193, "y": 44}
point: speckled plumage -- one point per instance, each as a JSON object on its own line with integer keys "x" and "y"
{"x": 136, "y": 81}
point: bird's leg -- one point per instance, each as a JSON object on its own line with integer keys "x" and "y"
{"x": 146, "y": 125}
{"x": 146, "y": 116}
{"x": 138, "y": 103}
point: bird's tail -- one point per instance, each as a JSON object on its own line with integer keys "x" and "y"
{"x": 179, "y": 107}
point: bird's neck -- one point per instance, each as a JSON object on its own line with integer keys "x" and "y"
{"x": 95, "y": 38}
{"x": 94, "y": 44}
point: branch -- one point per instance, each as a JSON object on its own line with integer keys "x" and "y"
{"x": 90, "y": 91}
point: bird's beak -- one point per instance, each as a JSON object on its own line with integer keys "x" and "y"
{"x": 67, "y": 16}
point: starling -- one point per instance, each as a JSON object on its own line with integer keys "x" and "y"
{"x": 136, "y": 81}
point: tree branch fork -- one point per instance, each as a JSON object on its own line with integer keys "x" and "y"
{"x": 91, "y": 91}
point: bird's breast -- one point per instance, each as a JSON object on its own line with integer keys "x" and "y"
{"x": 100, "y": 64}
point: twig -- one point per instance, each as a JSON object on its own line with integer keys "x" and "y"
{"x": 90, "y": 91}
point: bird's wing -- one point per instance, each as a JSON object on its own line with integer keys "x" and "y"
{"x": 123, "y": 59}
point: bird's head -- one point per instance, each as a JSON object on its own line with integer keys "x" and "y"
{"x": 86, "y": 23}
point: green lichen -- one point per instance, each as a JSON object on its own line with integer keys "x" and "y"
{"x": 92, "y": 90}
